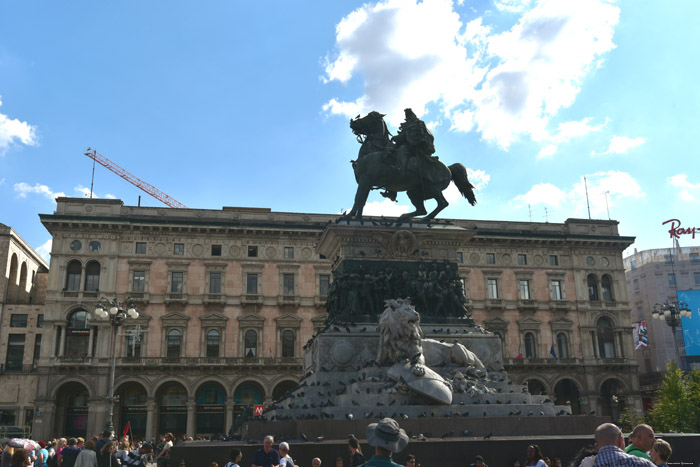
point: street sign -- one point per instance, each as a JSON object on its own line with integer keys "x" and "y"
{"x": 258, "y": 410}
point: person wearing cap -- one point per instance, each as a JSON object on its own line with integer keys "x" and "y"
{"x": 387, "y": 438}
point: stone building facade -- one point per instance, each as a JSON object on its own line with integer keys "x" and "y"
{"x": 654, "y": 276}
{"x": 22, "y": 291}
{"x": 227, "y": 299}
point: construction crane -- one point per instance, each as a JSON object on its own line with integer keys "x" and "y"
{"x": 133, "y": 179}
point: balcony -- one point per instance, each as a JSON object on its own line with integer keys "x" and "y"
{"x": 320, "y": 300}
{"x": 614, "y": 362}
{"x": 214, "y": 299}
{"x": 291, "y": 300}
{"x": 559, "y": 305}
{"x": 139, "y": 297}
{"x": 527, "y": 305}
{"x": 252, "y": 298}
{"x": 180, "y": 298}
{"x": 494, "y": 304}
{"x": 210, "y": 362}
{"x": 16, "y": 369}
{"x": 548, "y": 362}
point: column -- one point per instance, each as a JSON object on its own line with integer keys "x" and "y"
{"x": 229, "y": 415}
{"x": 150, "y": 415}
{"x": 91, "y": 340}
{"x": 191, "y": 407}
{"x": 62, "y": 344}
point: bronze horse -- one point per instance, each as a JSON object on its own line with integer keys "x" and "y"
{"x": 375, "y": 168}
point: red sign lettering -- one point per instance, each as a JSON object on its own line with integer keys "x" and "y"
{"x": 676, "y": 230}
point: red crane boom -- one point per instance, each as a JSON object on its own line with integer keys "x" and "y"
{"x": 134, "y": 180}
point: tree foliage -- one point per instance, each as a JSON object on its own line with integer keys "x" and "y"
{"x": 677, "y": 406}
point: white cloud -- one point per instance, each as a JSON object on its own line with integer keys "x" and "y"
{"x": 605, "y": 190}
{"x": 45, "y": 250}
{"x": 13, "y": 131}
{"x": 505, "y": 85}
{"x": 2, "y": 182}
{"x": 622, "y": 144}
{"x": 686, "y": 188}
{"x": 23, "y": 189}
{"x": 547, "y": 151}
{"x": 386, "y": 208}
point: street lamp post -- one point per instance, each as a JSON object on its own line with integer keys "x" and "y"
{"x": 114, "y": 311}
{"x": 672, "y": 313}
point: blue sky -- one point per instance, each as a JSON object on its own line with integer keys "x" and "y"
{"x": 247, "y": 104}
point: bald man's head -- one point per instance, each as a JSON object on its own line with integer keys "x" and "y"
{"x": 608, "y": 434}
{"x": 643, "y": 437}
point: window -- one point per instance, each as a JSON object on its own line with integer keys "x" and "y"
{"x": 696, "y": 276}
{"x": 215, "y": 282}
{"x": 562, "y": 345}
{"x": 553, "y": 260}
{"x": 213, "y": 339}
{"x": 492, "y": 288}
{"x": 555, "y": 290}
{"x": 133, "y": 343}
{"x": 78, "y": 334}
{"x": 95, "y": 246}
{"x": 606, "y": 343}
{"x": 668, "y": 259}
{"x": 251, "y": 344}
{"x": 179, "y": 249}
{"x": 324, "y": 281}
{"x": 140, "y": 248}
{"x": 606, "y": 285}
{"x": 174, "y": 343}
{"x": 92, "y": 276}
{"x": 37, "y": 347}
{"x": 289, "y": 252}
{"x": 633, "y": 264}
{"x": 76, "y": 245}
{"x": 695, "y": 258}
{"x": 490, "y": 258}
{"x": 40, "y": 321}
{"x": 672, "y": 279}
{"x": 18, "y": 321}
{"x": 593, "y": 288}
{"x": 139, "y": 281}
{"x": 460, "y": 257}
{"x": 524, "y": 289}
{"x": 287, "y": 284}
{"x": 251, "y": 286}
{"x": 522, "y": 259}
{"x": 252, "y": 251}
{"x": 177, "y": 280}
{"x": 635, "y": 282}
{"x": 288, "y": 344}
{"x": 15, "y": 352}
{"x": 73, "y": 272}
{"x": 216, "y": 250}
{"x": 530, "y": 348}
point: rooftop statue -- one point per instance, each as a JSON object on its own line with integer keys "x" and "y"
{"x": 403, "y": 163}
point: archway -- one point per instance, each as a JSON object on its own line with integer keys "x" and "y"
{"x": 133, "y": 401}
{"x": 172, "y": 409}
{"x": 12, "y": 278}
{"x": 248, "y": 394}
{"x": 211, "y": 409}
{"x": 72, "y": 410}
{"x": 567, "y": 391}
{"x": 282, "y": 388}
{"x": 612, "y": 395}
{"x": 536, "y": 387}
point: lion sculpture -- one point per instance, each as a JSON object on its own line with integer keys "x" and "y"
{"x": 400, "y": 337}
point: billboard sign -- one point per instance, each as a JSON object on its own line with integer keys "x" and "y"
{"x": 691, "y": 326}
{"x": 641, "y": 337}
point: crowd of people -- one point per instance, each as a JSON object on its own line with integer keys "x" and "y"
{"x": 386, "y": 437}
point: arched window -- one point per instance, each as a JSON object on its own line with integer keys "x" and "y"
{"x": 174, "y": 343}
{"x": 251, "y": 344}
{"x": 593, "y": 288}
{"x": 288, "y": 344}
{"x": 530, "y": 347}
{"x": 92, "y": 276}
{"x": 606, "y": 285}
{"x": 563, "y": 345}
{"x": 606, "y": 338}
{"x": 78, "y": 334}
{"x": 23, "y": 277}
{"x": 213, "y": 343}
{"x": 73, "y": 271}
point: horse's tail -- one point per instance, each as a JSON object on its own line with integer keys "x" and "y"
{"x": 459, "y": 176}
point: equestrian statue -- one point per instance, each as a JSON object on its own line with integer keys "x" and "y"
{"x": 403, "y": 163}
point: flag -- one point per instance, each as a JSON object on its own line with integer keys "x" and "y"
{"x": 553, "y": 353}
{"x": 520, "y": 353}
{"x": 126, "y": 429}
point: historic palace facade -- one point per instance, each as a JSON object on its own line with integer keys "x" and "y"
{"x": 227, "y": 299}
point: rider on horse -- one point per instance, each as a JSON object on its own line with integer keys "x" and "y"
{"x": 414, "y": 143}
